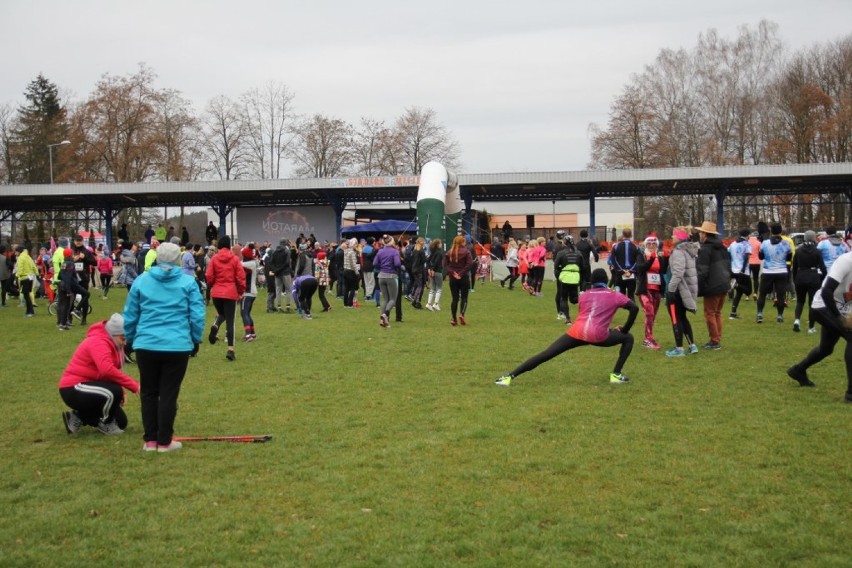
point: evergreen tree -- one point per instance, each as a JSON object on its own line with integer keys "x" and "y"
{"x": 41, "y": 121}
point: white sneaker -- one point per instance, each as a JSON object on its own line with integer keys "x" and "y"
{"x": 429, "y": 307}
{"x": 436, "y": 308}
{"x": 175, "y": 445}
{"x": 72, "y": 421}
{"x": 109, "y": 428}
{"x": 560, "y": 316}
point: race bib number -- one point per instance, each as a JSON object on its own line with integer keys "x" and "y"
{"x": 654, "y": 278}
{"x": 78, "y": 266}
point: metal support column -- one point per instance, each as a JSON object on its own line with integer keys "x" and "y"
{"x": 720, "y": 210}
{"x": 592, "y": 222}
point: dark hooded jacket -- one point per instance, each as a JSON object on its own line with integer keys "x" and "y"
{"x": 714, "y": 267}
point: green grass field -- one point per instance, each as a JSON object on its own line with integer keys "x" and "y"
{"x": 394, "y": 448}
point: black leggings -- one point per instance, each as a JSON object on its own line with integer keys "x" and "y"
{"x": 743, "y": 288}
{"x": 776, "y": 282}
{"x": 459, "y": 289}
{"x": 566, "y": 342}
{"x": 806, "y": 288}
{"x": 350, "y": 287}
{"x": 680, "y": 324}
{"x": 96, "y": 401}
{"x": 226, "y": 311}
{"x": 306, "y": 294}
{"x": 106, "y": 280}
{"x": 564, "y": 294}
{"x": 160, "y": 376}
{"x": 513, "y": 275}
{"x": 830, "y": 334}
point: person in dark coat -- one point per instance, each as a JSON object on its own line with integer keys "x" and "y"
{"x": 714, "y": 280}
{"x": 808, "y": 273}
{"x": 211, "y": 233}
{"x": 567, "y": 267}
{"x": 623, "y": 262}
{"x": 587, "y": 247}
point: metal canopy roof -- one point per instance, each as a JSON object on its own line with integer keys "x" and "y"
{"x": 582, "y": 185}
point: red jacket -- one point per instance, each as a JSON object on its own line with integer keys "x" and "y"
{"x": 226, "y": 276}
{"x": 97, "y": 358}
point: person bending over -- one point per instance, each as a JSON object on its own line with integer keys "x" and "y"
{"x": 598, "y": 305}
{"x": 93, "y": 383}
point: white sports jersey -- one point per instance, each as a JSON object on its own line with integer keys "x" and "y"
{"x": 841, "y": 271}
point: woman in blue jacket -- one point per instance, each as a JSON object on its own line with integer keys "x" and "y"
{"x": 164, "y": 322}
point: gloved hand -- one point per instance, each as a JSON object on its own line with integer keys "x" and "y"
{"x": 194, "y": 351}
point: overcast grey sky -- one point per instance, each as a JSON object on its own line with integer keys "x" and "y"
{"x": 517, "y": 83}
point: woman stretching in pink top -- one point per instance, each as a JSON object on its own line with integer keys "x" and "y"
{"x": 598, "y": 305}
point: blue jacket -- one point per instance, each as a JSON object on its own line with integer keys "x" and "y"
{"x": 164, "y": 311}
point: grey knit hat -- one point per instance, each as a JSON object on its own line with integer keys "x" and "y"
{"x": 115, "y": 325}
{"x": 168, "y": 253}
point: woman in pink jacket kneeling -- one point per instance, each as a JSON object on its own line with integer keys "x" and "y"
{"x": 93, "y": 383}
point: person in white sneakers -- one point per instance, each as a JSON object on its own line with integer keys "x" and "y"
{"x": 435, "y": 274}
{"x": 93, "y": 383}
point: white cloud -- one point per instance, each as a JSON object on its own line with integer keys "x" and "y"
{"x": 517, "y": 83}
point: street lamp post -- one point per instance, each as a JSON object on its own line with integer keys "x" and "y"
{"x": 50, "y": 154}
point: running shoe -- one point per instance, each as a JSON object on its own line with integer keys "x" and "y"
{"x": 504, "y": 381}
{"x": 618, "y": 378}
{"x": 72, "y": 421}
{"x": 693, "y": 349}
{"x": 230, "y": 356}
{"x": 150, "y": 446}
{"x": 109, "y": 428}
{"x": 676, "y": 352}
{"x": 211, "y": 337}
{"x": 800, "y": 376}
{"x": 462, "y": 320}
{"x": 796, "y": 326}
{"x": 175, "y": 445}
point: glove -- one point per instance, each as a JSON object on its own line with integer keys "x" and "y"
{"x": 194, "y": 351}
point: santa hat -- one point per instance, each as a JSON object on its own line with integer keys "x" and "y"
{"x": 651, "y": 238}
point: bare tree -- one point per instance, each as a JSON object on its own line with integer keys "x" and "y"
{"x": 321, "y": 147}
{"x": 422, "y": 138}
{"x": 268, "y": 121}
{"x": 177, "y": 132}
{"x": 225, "y": 149}
{"x": 367, "y": 147}
{"x": 6, "y": 127}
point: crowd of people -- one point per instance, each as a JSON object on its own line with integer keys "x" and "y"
{"x": 762, "y": 265}
{"x": 164, "y": 278}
